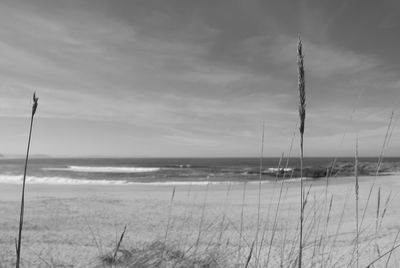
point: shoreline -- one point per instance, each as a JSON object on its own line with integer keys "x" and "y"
{"x": 266, "y": 179}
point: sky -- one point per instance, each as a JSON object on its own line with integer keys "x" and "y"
{"x": 185, "y": 78}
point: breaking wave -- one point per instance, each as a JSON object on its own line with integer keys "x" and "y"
{"x": 91, "y": 169}
{"x": 17, "y": 179}
{"x": 299, "y": 179}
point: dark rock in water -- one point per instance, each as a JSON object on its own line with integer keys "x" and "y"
{"x": 346, "y": 168}
{"x": 315, "y": 172}
{"x": 340, "y": 168}
{"x": 310, "y": 172}
{"x": 366, "y": 168}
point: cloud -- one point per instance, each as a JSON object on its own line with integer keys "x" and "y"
{"x": 182, "y": 74}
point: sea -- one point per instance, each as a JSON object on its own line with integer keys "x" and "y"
{"x": 179, "y": 171}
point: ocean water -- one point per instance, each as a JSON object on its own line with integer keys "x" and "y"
{"x": 121, "y": 171}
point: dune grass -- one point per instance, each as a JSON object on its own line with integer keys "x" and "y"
{"x": 302, "y": 115}
{"x": 157, "y": 254}
{"x": 357, "y": 187}
{"x": 326, "y": 233}
{"x": 21, "y": 218}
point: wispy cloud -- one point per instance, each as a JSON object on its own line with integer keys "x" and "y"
{"x": 184, "y": 79}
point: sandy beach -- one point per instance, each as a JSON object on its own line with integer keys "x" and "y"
{"x": 71, "y": 226}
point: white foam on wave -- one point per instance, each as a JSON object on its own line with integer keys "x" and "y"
{"x": 194, "y": 183}
{"x": 279, "y": 169}
{"x": 92, "y": 169}
{"x": 17, "y": 179}
{"x": 298, "y": 179}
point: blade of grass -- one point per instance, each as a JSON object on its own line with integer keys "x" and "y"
{"x": 280, "y": 194}
{"x": 259, "y": 187}
{"x": 241, "y": 221}
{"x": 202, "y": 218}
{"x": 329, "y": 259}
{"x": 357, "y": 198}
{"x": 383, "y": 255}
{"x": 269, "y": 206}
{"x": 390, "y": 254}
{"x": 302, "y": 115}
{"x": 169, "y": 217}
{"x": 118, "y": 245}
{"x": 377, "y": 221}
{"x": 21, "y": 217}
{"x": 380, "y": 159}
{"x": 224, "y": 215}
{"x": 250, "y": 254}
{"x": 385, "y": 208}
{"x": 325, "y": 234}
{"x": 274, "y": 226}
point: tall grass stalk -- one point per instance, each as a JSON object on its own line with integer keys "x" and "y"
{"x": 377, "y": 221}
{"x": 292, "y": 253}
{"x": 283, "y": 244}
{"x": 202, "y": 218}
{"x": 321, "y": 210}
{"x": 380, "y": 159}
{"x": 318, "y": 221}
{"x": 371, "y": 264}
{"x": 390, "y": 254}
{"x": 291, "y": 256}
{"x": 329, "y": 174}
{"x": 388, "y": 199}
{"x": 224, "y": 214}
{"x": 325, "y": 234}
{"x": 357, "y": 198}
{"x": 280, "y": 196}
{"x": 339, "y": 225}
{"x": 270, "y": 204}
{"x": 119, "y": 245}
{"x": 274, "y": 226}
{"x": 241, "y": 221}
{"x": 379, "y": 163}
{"x": 96, "y": 242}
{"x": 259, "y": 187}
{"x": 169, "y": 216}
{"x": 249, "y": 257}
{"x": 302, "y": 115}
{"x": 311, "y": 227}
{"x": 21, "y": 217}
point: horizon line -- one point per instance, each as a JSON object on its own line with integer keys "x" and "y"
{"x": 44, "y": 156}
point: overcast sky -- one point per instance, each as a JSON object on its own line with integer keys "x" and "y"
{"x": 197, "y": 78}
